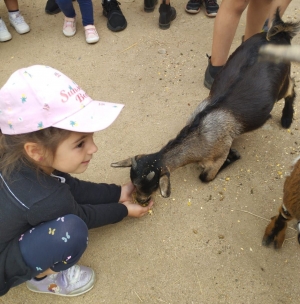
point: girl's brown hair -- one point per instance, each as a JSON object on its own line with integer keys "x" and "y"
{"x": 13, "y": 155}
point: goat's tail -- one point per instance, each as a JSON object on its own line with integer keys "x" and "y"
{"x": 278, "y": 26}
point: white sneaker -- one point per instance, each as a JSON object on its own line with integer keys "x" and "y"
{"x": 69, "y": 28}
{"x": 91, "y": 35}
{"x": 69, "y": 283}
{"x": 18, "y": 22}
{"x": 4, "y": 33}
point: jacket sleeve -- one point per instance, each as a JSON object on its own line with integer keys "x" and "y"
{"x": 61, "y": 202}
{"x": 92, "y": 193}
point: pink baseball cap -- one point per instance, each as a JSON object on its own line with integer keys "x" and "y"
{"x": 39, "y": 97}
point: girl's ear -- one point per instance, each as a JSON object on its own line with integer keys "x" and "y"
{"x": 34, "y": 151}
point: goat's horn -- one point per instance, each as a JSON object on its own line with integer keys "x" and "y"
{"x": 123, "y": 163}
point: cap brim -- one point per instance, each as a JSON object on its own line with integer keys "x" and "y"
{"x": 95, "y": 116}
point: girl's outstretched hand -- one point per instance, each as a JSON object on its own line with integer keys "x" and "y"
{"x": 136, "y": 210}
{"x": 126, "y": 192}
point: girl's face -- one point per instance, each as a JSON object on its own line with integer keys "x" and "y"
{"x": 73, "y": 154}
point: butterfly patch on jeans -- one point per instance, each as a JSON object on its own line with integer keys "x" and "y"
{"x": 65, "y": 239}
{"x": 51, "y": 231}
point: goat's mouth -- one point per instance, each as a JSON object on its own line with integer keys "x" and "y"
{"x": 141, "y": 201}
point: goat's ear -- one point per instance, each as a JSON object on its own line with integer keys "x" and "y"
{"x": 164, "y": 183}
{"x": 123, "y": 163}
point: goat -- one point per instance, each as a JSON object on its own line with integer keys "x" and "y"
{"x": 290, "y": 209}
{"x": 241, "y": 99}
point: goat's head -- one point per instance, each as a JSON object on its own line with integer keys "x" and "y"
{"x": 147, "y": 174}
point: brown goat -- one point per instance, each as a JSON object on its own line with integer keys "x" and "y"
{"x": 241, "y": 99}
{"x": 290, "y": 209}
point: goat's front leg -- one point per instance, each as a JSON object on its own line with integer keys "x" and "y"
{"x": 275, "y": 231}
{"x": 211, "y": 169}
{"x": 288, "y": 110}
{"x": 232, "y": 156}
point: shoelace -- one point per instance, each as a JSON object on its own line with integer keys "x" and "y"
{"x": 113, "y": 5}
{"x": 18, "y": 19}
{"x": 71, "y": 275}
{"x": 91, "y": 31}
{"x": 211, "y": 2}
{"x": 69, "y": 24}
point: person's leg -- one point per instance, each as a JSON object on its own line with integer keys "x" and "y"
{"x": 282, "y": 4}
{"x": 15, "y": 17}
{"x": 69, "y": 27}
{"x": 51, "y": 250}
{"x": 56, "y": 244}
{"x": 257, "y": 13}
{"x": 225, "y": 26}
{"x": 87, "y": 13}
{"x": 52, "y": 8}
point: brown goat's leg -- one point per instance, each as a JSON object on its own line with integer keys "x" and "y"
{"x": 275, "y": 231}
{"x": 288, "y": 110}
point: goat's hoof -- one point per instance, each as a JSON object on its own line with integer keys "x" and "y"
{"x": 233, "y": 155}
{"x": 267, "y": 240}
{"x": 286, "y": 122}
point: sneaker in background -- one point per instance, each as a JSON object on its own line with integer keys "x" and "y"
{"x": 149, "y": 5}
{"x": 4, "y": 33}
{"x": 211, "y": 8}
{"x": 91, "y": 35}
{"x": 70, "y": 283}
{"x": 193, "y": 6}
{"x": 115, "y": 19}
{"x": 52, "y": 8}
{"x": 69, "y": 28}
{"x": 18, "y": 22}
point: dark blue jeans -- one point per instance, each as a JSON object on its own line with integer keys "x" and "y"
{"x": 86, "y": 9}
{"x": 56, "y": 244}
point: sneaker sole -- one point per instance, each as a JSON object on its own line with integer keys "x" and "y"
{"x": 210, "y": 14}
{"x": 7, "y": 38}
{"x": 117, "y": 29}
{"x": 192, "y": 11}
{"x": 76, "y": 293}
{"x": 20, "y": 32}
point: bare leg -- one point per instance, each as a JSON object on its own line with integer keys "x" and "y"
{"x": 12, "y": 5}
{"x": 282, "y": 4}
{"x": 257, "y": 13}
{"x": 225, "y": 26}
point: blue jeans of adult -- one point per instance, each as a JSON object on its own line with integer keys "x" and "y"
{"x": 86, "y": 9}
{"x": 57, "y": 244}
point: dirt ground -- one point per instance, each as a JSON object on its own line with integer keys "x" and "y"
{"x": 203, "y": 244}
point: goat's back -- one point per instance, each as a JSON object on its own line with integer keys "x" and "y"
{"x": 248, "y": 87}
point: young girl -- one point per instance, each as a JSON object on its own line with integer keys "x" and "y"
{"x": 87, "y": 13}
{"x": 47, "y": 123}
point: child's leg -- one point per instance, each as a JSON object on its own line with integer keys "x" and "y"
{"x": 15, "y": 17}
{"x": 225, "y": 26}
{"x": 57, "y": 244}
{"x": 67, "y": 8}
{"x": 87, "y": 13}
{"x": 257, "y": 13}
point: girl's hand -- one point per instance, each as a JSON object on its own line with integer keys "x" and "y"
{"x": 126, "y": 192}
{"x": 136, "y": 210}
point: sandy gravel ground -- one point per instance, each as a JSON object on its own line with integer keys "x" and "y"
{"x": 203, "y": 244}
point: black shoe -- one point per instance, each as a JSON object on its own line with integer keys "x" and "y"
{"x": 116, "y": 21}
{"x": 52, "y": 8}
{"x": 211, "y": 8}
{"x": 167, "y": 13}
{"x": 193, "y": 6}
{"x": 210, "y": 73}
{"x": 149, "y": 5}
